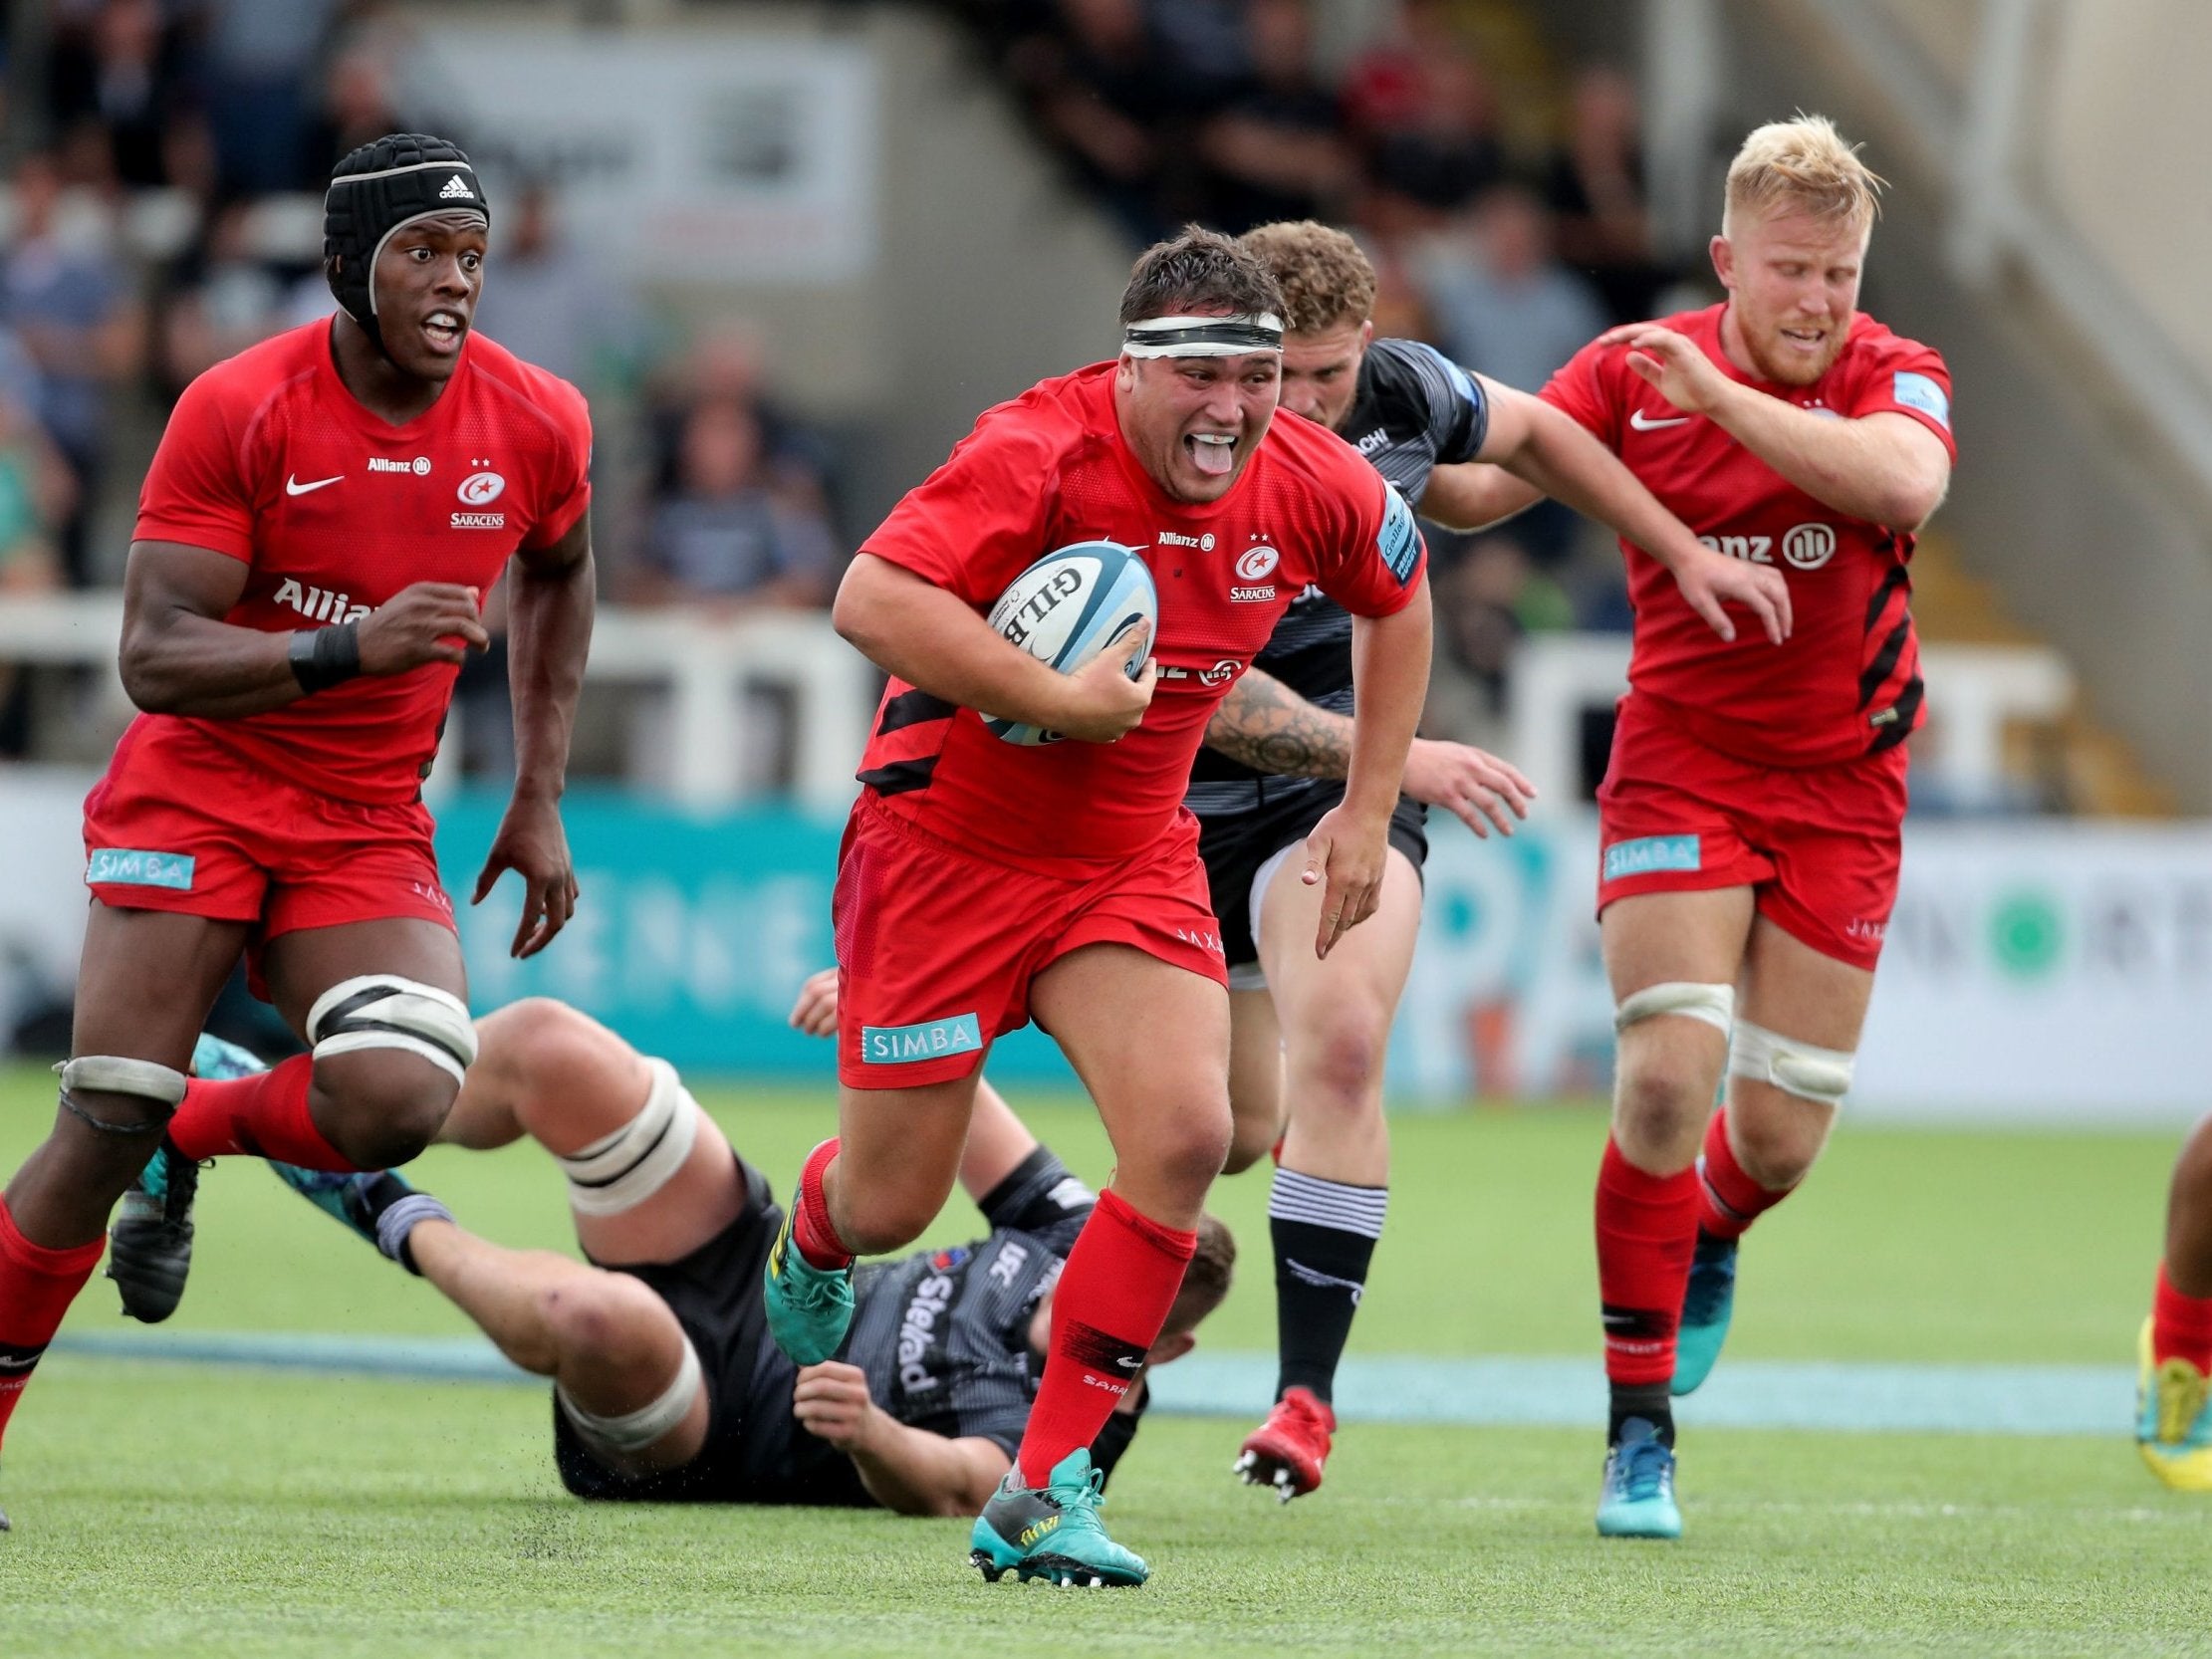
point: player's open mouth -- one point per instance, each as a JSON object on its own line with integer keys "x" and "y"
{"x": 1805, "y": 339}
{"x": 443, "y": 329}
{"x": 1212, "y": 453}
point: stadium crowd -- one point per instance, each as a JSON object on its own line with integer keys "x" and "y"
{"x": 165, "y": 218}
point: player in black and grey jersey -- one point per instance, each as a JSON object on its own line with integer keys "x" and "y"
{"x": 1309, "y": 1034}
{"x": 666, "y": 1385}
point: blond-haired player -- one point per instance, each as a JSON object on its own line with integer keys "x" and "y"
{"x": 1308, "y": 1034}
{"x": 1749, "y": 819}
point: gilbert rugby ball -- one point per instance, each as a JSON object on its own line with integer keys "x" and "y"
{"x": 1068, "y": 608}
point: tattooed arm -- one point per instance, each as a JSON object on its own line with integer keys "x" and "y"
{"x": 1266, "y": 726}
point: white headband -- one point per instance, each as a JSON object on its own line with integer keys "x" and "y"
{"x": 1203, "y": 336}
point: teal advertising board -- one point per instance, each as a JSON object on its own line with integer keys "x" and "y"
{"x": 692, "y": 936}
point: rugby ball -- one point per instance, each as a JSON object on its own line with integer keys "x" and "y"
{"x": 1068, "y": 608}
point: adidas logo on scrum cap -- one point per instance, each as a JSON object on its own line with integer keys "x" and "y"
{"x": 456, "y": 189}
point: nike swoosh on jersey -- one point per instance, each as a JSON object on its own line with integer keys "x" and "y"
{"x": 1644, "y": 423}
{"x": 292, "y": 486}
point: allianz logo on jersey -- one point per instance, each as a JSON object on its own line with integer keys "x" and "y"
{"x": 1174, "y": 538}
{"x": 419, "y": 467}
{"x": 319, "y": 604}
{"x": 1806, "y": 546}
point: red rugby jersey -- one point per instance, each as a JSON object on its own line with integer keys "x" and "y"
{"x": 1051, "y": 468}
{"x": 1847, "y": 682}
{"x": 270, "y": 460}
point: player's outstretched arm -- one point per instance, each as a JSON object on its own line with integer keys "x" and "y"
{"x": 1347, "y": 849}
{"x": 1475, "y": 494}
{"x": 1885, "y": 468}
{"x": 1549, "y": 449}
{"x": 932, "y": 638}
{"x": 548, "y": 633}
{"x": 906, "y": 1470}
{"x": 1266, "y": 726}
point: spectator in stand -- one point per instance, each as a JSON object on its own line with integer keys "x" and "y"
{"x": 70, "y": 305}
{"x": 549, "y": 301}
{"x": 261, "y": 58}
{"x": 727, "y": 540}
{"x": 723, "y": 365}
{"x": 1277, "y": 150}
{"x": 1504, "y": 304}
{"x": 1102, "y": 87}
{"x": 358, "y": 107}
{"x": 116, "y": 76}
{"x": 1441, "y": 158}
{"x": 1596, "y": 192}
{"x": 38, "y": 495}
{"x": 1489, "y": 596}
{"x": 220, "y": 299}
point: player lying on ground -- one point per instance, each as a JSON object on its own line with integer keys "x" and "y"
{"x": 1307, "y": 1034}
{"x": 2174, "y": 1422}
{"x": 983, "y": 885}
{"x": 1751, "y": 819}
{"x": 666, "y": 1387}
{"x": 314, "y": 536}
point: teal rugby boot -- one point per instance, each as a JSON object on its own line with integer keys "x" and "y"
{"x": 809, "y": 1307}
{"x": 1053, "y": 1533}
{"x": 1708, "y": 1303}
{"x": 1636, "y": 1500}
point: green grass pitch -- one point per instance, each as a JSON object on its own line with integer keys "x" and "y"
{"x": 175, "y": 1510}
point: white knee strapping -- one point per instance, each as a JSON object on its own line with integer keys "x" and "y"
{"x": 621, "y": 1172}
{"x": 1715, "y": 1005}
{"x": 1246, "y": 976}
{"x": 633, "y": 1431}
{"x": 1822, "y": 1075}
{"x": 383, "y": 1011}
{"x": 120, "y": 1075}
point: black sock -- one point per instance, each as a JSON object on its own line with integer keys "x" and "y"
{"x": 1324, "y": 1234}
{"x": 1649, "y": 1400}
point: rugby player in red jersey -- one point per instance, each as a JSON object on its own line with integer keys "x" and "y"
{"x": 1750, "y": 819}
{"x": 315, "y": 538}
{"x": 1306, "y": 1038}
{"x": 984, "y": 884}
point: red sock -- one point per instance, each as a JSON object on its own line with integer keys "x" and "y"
{"x": 1646, "y": 1234}
{"x": 1107, "y": 1309}
{"x": 811, "y": 1228}
{"x": 2180, "y": 1326}
{"x": 264, "y": 1115}
{"x": 1729, "y": 1200}
{"x": 37, "y": 1285}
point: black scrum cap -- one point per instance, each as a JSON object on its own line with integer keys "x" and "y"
{"x": 376, "y": 189}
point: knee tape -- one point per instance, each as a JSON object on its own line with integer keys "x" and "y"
{"x": 1822, "y": 1075}
{"x": 1715, "y": 1005}
{"x": 621, "y": 1172}
{"x": 144, "y": 1079}
{"x": 633, "y": 1431}
{"x": 383, "y": 1011}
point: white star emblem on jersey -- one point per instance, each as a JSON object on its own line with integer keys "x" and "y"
{"x": 1644, "y": 423}
{"x": 292, "y": 485}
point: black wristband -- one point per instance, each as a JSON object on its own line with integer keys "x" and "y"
{"x": 325, "y": 657}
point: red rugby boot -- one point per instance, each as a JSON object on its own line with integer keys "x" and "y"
{"x": 1288, "y": 1449}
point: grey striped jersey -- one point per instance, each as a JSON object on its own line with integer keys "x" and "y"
{"x": 1415, "y": 410}
{"x": 943, "y": 1334}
